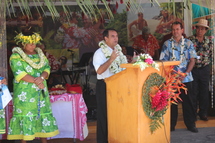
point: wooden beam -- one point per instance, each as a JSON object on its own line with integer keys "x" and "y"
{"x": 204, "y": 17}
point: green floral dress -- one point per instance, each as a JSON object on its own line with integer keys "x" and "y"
{"x": 2, "y": 121}
{"x": 32, "y": 114}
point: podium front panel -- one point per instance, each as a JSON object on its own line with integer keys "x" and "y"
{"x": 127, "y": 121}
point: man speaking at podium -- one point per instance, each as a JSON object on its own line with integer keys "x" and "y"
{"x": 106, "y": 61}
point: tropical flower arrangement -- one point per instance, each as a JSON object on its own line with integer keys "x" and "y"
{"x": 158, "y": 92}
{"x": 144, "y": 61}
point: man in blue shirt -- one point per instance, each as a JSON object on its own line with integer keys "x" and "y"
{"x": 181, "y": 49}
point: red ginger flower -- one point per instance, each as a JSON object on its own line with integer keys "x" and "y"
{"x": 160, "y": 100}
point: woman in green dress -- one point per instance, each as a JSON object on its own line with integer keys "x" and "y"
{"x": 32, "y": 114}
{"x": 2, "y": 112}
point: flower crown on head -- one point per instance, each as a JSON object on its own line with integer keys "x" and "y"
{"x": 32, "y": 39}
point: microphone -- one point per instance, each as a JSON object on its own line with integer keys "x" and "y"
{"x": 136, "y": 52}
{"x": 43, "y": 93}
{"x": 70, "y": 50}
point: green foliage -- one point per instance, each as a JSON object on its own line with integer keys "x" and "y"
{"x": 120, "y": 24}
{"x": 158, "y": 36}
{"x": 174, "y": 8}
{"x": 154, "y": 125}
{"x": 50, "y": 43}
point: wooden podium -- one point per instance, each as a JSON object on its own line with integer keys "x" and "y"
{"x": 127, "y": 121}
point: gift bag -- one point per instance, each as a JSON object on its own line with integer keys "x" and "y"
{"x": 5, "y": 96}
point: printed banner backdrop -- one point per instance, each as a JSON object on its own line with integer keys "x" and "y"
{"x": 76, "y": 32}
{"x": 158, "y": 19}
{"x": 67, "y": 37}
{"x": 81, "y": 35}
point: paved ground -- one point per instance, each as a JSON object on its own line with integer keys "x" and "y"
{"x": 205, "y": 135}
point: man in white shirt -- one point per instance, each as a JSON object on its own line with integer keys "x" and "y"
{"x": 106, "y": 60}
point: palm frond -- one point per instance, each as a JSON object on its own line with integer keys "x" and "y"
{"x": 12, "y": 8}
{"x": 89, "y": 7}
{"x": 8, "y": 8}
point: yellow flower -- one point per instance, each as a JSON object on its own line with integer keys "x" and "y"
{"x": 33, "y": 39}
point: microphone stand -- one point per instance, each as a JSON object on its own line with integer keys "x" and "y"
{"x": 72, "y": 56}
{"x": 62, "y": 61}
{"x": 86, "y": 80}
{"x": 61, "y": 73}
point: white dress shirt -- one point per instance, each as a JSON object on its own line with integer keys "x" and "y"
{"x": 99, "y": 59}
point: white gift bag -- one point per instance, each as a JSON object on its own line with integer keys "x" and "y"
{"x": 5, "y": 96}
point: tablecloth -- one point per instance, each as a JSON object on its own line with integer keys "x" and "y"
{"x": 70, "y": 112}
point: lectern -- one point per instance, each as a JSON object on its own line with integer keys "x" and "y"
{"x": 127, "y": 121}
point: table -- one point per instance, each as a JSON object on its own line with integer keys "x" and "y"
{"x": 70, "y": 112}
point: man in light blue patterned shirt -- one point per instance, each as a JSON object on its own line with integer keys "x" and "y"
{"x": 181, "y": 49}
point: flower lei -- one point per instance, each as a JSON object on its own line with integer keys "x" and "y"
{"x": 144, "y": 61}
{"x": 28, "y": 60}
{"x": 115, "y": 65}
{"x": 32, "y": 39}
{"x": 173, "y": 49}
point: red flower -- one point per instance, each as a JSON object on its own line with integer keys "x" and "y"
{"x": 160, "y": 100}
{"x": 149, "y": 61}
{"x": 117, "y": 5}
